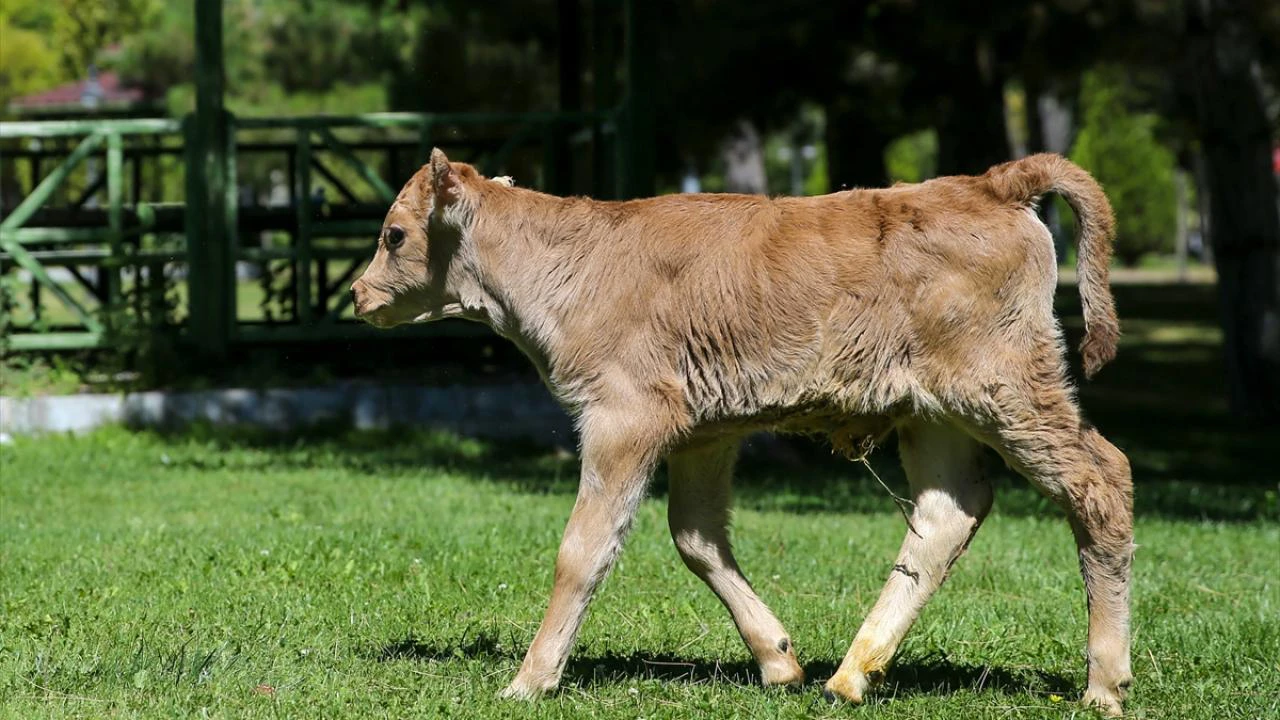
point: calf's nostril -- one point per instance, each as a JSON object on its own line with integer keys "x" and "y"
{"x": 355, "y": 299}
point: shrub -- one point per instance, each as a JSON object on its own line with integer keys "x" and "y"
{"x": 1119, "y": 147}
{"x": 913, "y": 158}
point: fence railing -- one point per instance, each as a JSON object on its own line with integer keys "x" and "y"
{"x": 95, "y": 223}
{"x": 80, "y": 251}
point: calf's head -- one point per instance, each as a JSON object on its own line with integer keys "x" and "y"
{"x": 421, "y": 269}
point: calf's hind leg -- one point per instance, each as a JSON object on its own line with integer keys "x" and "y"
{"x": 952, "y": 496}
{"x": 1102, "y": 520}
{"x": 1046, "y": 441}
{"x": 698, "y": 513}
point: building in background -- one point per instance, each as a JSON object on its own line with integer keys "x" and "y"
{"x": 99, "y": 95}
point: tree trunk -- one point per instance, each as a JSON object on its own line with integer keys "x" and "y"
{"x": 1242, "y": 194}
{"x": 1057, "y": 127}
{"x": 1203, "y": 206}
{"x": 1032, "y": 90}
{"x": 559, "y": 179}
{"x": 971, "y": 127}
{"x": 855, "y": 148}
{"x": 1180, "y": 242}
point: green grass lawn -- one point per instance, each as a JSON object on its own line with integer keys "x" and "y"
{"x": 402, "y": 574}
{"x": 395, "y": 576}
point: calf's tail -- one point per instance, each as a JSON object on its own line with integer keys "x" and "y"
{"x": 1024, "y": 181}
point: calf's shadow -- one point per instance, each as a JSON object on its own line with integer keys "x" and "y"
{"x": 928, "y": 675}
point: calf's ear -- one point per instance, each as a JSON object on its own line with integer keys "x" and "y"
{"x": 445, "y": 183}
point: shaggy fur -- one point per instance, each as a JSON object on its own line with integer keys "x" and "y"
{"x": 673, "y": 326}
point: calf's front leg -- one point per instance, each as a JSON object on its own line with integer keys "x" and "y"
{"x": 699, "y": 517}
{"x": 615, "y": 472}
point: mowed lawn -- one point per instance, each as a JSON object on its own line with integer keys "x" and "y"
{"x": 402, "y": 573}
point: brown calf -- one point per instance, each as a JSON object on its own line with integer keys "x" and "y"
{"x": 671, "y": 327}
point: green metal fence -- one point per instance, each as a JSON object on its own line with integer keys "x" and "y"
{"x": 108, "y": 228}
{"x": 78, "y": 255}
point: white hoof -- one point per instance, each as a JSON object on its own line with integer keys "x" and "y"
{"x": 521, "y": 689}
{"x": 1106, "y": 703}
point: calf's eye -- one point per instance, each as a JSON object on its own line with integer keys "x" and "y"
{"x": 394, "y": 236}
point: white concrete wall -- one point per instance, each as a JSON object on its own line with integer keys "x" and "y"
{"x": 491, "y": 411}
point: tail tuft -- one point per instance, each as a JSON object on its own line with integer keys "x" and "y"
{"x": 1099, "y": 346}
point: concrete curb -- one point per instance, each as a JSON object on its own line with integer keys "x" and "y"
{"x": 491, "y": 411}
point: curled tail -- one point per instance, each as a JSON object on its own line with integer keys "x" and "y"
{"x": 1025, "y": 180}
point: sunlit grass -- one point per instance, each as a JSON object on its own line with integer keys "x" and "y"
{"x": 403, "y": 575}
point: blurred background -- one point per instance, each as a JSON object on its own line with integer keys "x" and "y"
{"x": 187, "y": 188}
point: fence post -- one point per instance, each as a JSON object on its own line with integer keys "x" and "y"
{"x": 210, "y": 184}
{"x": 302, "y": 238}
{"x": 115, "y": 218}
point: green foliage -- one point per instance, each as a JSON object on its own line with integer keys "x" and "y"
{"x": 142, "y": 329}
{"x": 85, "y": 28}
{"x": 778, "y": 155}
{"x": 913, "y": 158}
{"x": 28, "y": 375}
{"x": 164, "y": 55}
{"x": 28, "y": 63}
{"x": 1119, "y": 147}
{"x": 818, "y": 183}
{"x": 327, "y": 56}
{"x": 283, "y": 58}
{"x": 804, "y": 133}
{"x": 10, "y": 286}
{"x": 317, "y": 44}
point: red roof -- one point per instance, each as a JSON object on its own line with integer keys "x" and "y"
{"x": 70, "y": 94}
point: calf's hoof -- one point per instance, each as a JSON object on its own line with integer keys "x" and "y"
{"x": 850, "y": 686}
{"x": 782, "y": 671}
{"x": 525, "y": 689}
{"x": 1104, "y": 701}
{"x": 1107, "y": 690}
